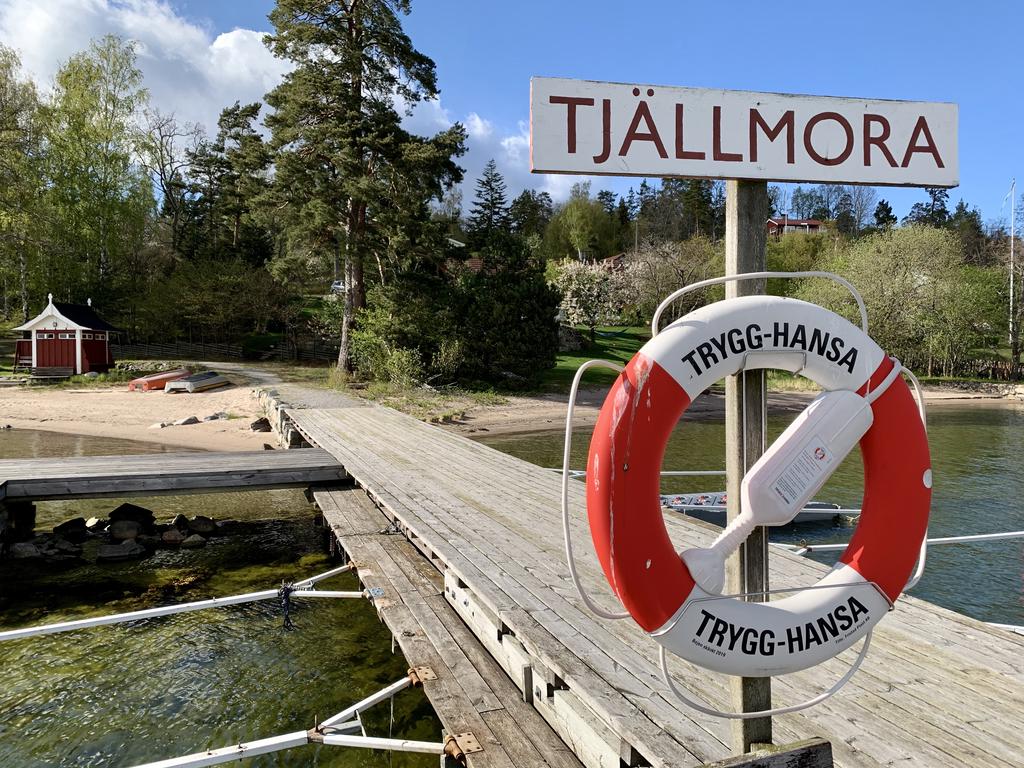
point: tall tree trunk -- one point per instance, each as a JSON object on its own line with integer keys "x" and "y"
{"x": 23, "y": 276}
{"x": 344, "y": 351}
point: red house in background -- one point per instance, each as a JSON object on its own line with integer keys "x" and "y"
{"x": 66, "y": 336}
{"x": 783, "y": 225}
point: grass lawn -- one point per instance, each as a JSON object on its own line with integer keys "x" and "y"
{"x": 617, "y": 345}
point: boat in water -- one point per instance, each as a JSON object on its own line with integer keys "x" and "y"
{"x": 710, "y": 507}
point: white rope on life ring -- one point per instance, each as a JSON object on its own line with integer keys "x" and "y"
{"x": 678, "y": 600}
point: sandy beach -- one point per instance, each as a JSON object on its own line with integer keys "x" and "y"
{"x": 116, "y": 412}
{"x": 547, "y": 412}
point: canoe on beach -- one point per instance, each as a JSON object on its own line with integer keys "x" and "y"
{"x": 155, "y": 381}
{"x": 198, "y": 382}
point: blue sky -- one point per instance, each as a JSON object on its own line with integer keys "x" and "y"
{"x": 486, "y": 53}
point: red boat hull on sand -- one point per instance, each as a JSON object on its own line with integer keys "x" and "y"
{"x": 156, "y": 381}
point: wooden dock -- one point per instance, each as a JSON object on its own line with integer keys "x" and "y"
{"x": 937, "y": 689}
{"x": 153, "y": 474}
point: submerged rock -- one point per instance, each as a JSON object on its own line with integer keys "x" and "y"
{"x": 194, "y": 541}
{"x": 122, "y": 530}
{"x": 67, "y": 547}
{"x": 134, "y": 512}
{"x": 74, "y": 530}
{"x": 149, "y": 540}
{"x": 180, "y": 522}
{"x": 25, "y": 550}
{"x": 202, "y": 525}
{"x": 126, "y": 550}
{"x": 172, "y": 537}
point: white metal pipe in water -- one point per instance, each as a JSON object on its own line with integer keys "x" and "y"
{"x": 372, "y": 742}
{"x": 148, "y": 613}
{"x": 944, "y": 540}
{"x": 166, "y": 610}
{"x": 369, "y": 701}
{"x": 321, "y": 576}
{"x": 326, "y": 593}
{"x": 235, "y": 752}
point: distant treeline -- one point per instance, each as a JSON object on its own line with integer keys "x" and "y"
{"x": 181, "y": 236}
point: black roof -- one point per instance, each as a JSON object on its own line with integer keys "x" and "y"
{"x": 81, "y": 314}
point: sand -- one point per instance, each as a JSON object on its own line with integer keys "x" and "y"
{"x": 116, "y": 412}
{"x": 547, "y": 412}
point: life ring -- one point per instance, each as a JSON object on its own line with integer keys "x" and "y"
{"x": 655, "y": 583}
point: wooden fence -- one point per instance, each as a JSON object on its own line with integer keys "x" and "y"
{"x": 179, "y": 350}
{"x": 310, "y": 350}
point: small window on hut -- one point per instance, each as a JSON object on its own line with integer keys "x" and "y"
{"x": 67, "y": 336}
{"x": 87, "y": 336}
{"x": 100, "y": 336}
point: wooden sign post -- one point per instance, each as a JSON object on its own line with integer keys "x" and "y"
{"x": 746, "y": 211}
{"x": 623, "y": 129}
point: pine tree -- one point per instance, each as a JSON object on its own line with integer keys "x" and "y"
{"x": 884, "y": 217}
{"x": 335, "y": 124}
{"x": 530, "y": 213}
{"x": 489, "y": 215}
{"x": 934, "y": 213}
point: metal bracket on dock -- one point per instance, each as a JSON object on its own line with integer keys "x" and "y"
{"x": 418, "y": 675}
{"x": 458, "y": 745}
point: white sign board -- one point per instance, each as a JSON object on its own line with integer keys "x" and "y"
{"x": 621, "y": 129}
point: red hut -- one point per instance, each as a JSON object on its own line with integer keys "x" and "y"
{"x": 66, "y": 336}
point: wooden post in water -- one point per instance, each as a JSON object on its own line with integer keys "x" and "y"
{"x": 746, "y": 214}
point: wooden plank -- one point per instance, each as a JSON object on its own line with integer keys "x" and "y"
{"x": 417, "y": 615}
{"x": 813, "y": 753}
{"x": 494, "y": 520}
{"x": 167, "y": 473}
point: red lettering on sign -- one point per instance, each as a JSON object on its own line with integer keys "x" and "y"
{"x": 813, "y": 153}
{"x": 643, "y": 113}
{"x": 785, "y": 122}
{"x": 876, "y": 141}
{"x": 921, "y": 128}
{"x": 716, "y": 140}
{"x": 570, "y": 116}
{"x": 606, "y": 131}
{"x": 684, "y": 154}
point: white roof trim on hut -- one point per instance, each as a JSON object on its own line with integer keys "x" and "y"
{"x": 52, "y": 317}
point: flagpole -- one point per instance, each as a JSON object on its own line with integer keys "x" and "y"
{"x": 1013, "y": 275}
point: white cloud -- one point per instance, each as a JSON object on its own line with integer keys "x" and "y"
{"x": 195, "y": 72}
{"x": 188, "y": 69}
{"x": 477, "y": 127}
{"x": 510, "y": 150}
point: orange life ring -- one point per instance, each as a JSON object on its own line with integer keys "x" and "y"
{"x": 639, "y": 560}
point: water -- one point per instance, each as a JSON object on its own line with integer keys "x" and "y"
{"x": 127, "y": 694}
{"x": 978, "y": 460}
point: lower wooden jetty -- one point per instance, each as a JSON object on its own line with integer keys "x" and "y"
{"x": 152, "y": 474}
{"x": 937, "y": 689}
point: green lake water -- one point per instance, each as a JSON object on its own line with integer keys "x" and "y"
{"x": 134, "y": 693}
{"x": 978, "y": 462}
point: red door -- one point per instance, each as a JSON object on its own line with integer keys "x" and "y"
{"x": 54, "y": 352}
